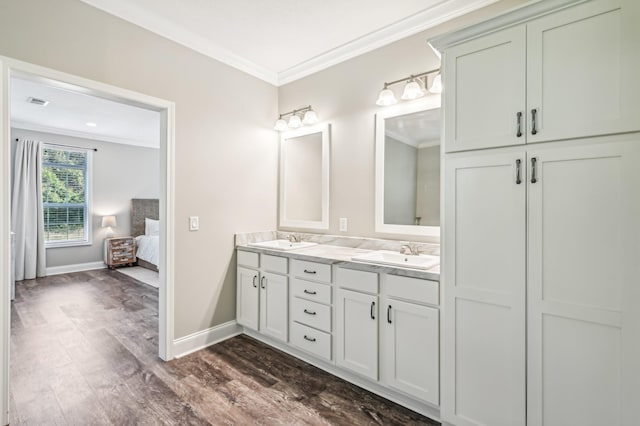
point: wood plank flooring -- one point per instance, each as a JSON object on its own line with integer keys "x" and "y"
{"x": 84, "y": 352}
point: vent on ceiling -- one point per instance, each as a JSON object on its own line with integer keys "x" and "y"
{"x": 37, "y": 101}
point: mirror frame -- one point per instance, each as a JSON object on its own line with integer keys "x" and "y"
{"x": 297, "y": 223}
{"x": 424, "y": 104}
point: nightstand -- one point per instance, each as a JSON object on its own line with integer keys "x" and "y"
{"x": 119, "y": 251}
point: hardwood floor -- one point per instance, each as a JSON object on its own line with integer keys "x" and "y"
{"x": 84, "y": 351}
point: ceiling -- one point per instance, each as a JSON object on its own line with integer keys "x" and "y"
{"x": 283, "y": 40}
{"x": 69, "y": 111}
{"x": 420, "y": 129}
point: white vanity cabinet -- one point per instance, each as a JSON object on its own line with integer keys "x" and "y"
{"x": 568, "y": 74}
{"x": 262, "y": 294}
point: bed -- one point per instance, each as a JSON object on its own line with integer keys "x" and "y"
{"x": 146, "y": 234}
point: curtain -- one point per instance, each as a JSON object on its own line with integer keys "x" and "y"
{"x": 27, "y": 217}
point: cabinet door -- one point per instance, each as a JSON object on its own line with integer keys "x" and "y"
{"x": 483, "y": 364}
{"x": 582, "y": 71}
{"x": 357, "y": 332}
{"x": 485, "y": 91}
{"x": 274, "y": 310}
{"x": 411, "y": 349}
{"x": 247, "y": 297}
{"x": 583, "y": 293}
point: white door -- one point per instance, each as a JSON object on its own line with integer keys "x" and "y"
{"x": 484, "y": 92}
{"x": 582, "y": 69}
{"x": 274, "y": 313}
{"x": 483, "y": 361}
{"x": 247, "y": 303}
{"x": 411, "y": 349}
{"x": 583, "y": 281}
{"x": 357, "y": 332}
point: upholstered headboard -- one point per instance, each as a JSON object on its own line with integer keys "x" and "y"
{"x": 141, "y": 208}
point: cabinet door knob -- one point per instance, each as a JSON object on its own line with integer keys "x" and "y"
{"x": 262, "y": 282}
{"x": 518, "y": 171}
{"x": 373, "y": 306}
{"x": 389, "y": 314}
{"x": 309, "y": 312}
{"x": 255, "y": 284}
{"x": 309, "y": 291}
{"x": 534, "y": 115}
{"x": 534, "y": 173}
{"x": 311, "y": 339}
{"x": 519, "y": 119}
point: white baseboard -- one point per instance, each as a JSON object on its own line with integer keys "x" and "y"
{"x": 201, "y": 339}
{"x": 78, "y": 267}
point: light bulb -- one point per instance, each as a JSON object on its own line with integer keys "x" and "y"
{"x": 281, "y": 125}
{"x": 310, "y": 117}
{"x": 436, "y": 84}
{"x": 412, "y": 90}
{"x": 294, "y": 122}
{"x": 386, "y": 98}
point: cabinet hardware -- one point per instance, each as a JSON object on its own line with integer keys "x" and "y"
{"x": 518, "y": 171}
{"x": 373, "y": 305}
{"x": 255, "y": 285}
{"x": 389, "y": 314}
{"x": 262, "y": 284}
{"x": 309, "y": 291}
{"x": 534, "y": 162}
{"x": 519, "y": 117}
{"x": 311, "y": 339}
{"x": 306, "y": 271}
{"x": 534, "y": 114}
{"x": 309, "y": 312}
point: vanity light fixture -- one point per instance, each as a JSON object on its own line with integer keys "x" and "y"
{"x": 415, "y": 86}
{"x": 294, "y": 122}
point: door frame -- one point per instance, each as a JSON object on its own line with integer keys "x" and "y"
{"x": 11, "y": 67}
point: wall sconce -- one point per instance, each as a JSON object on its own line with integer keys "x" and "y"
{"x": 414, "y": 88}
{"x": 109, "y": 222}
{"x": 310, "y": 117}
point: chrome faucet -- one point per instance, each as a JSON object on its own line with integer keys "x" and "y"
{"x": 410, "y": 249}
{"x": 294, "y": 238}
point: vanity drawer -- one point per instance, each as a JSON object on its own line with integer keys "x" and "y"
{"x": 311, "y": 291}
{"x": 248, "y": 258}
{"x": 311, "y": 270}
{"x": 310, "y": 340}
{"x": 311, "y": 313}
{"x": 275, "y": 264}
{"x": 363, "y": 281}
{"x": 415, "y": 289}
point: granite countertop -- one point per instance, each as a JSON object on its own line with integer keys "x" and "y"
{"x": 340, "y": 255}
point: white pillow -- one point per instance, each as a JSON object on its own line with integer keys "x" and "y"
{"x": 151, "y": 227}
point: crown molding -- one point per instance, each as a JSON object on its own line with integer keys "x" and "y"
{"x": 22, "y": 125}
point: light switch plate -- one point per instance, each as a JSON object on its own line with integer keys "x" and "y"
{"x": 194, "y": 223}
{"x": 343, "y": 224}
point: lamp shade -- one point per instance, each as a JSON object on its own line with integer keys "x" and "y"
{"x": 109, "y": 222}
{"x": 412, "y": 90}
{"x": 386, "y": 98}
{"x": 281, "y": 125}
{"x": 294, "y": 122}
{"x": 436, "y": 84}
{"x": 310, "y": 117}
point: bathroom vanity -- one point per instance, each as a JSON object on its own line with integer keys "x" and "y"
{"x": 373, "y": 325}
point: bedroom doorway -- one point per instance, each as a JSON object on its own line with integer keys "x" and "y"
{"x": 13, "y": 69}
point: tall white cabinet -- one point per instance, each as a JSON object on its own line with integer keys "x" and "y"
{"x": 541, "y": 234}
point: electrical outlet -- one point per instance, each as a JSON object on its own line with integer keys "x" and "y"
{"x": 343, "y": 224}
{"x": 194, "y": 223}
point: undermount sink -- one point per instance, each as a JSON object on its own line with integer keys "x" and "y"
{"x": 283, "y": 245}
{"x": 385, "y": 257}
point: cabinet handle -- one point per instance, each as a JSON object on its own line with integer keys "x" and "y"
{"x": 255, "y": 284}
{"x": 373, "y": 305}
{"x": 519, "y": 117}
{"x": 518, "y": 171}
{"x": 309, "y": 292}
{"x": 309, "y": 312}
{"x": 534, "y": 163}
{"x": 306, "y": 271}
{"x": 534, "y": 114}
{"x": 311, "y": 339}
{"x": 389, "y": 314}
{"x": 262, "y": 284}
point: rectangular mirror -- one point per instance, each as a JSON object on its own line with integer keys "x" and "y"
{"x": 304, "y": 178}
{"x": 408, "y": 168}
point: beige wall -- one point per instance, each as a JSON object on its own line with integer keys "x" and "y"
{"x": 344, "y": 95}
{"x": 226, "y": 150}
{"x": 118, "y": 174}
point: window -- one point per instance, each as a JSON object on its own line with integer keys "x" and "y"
{"x": 65, "y": 195}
